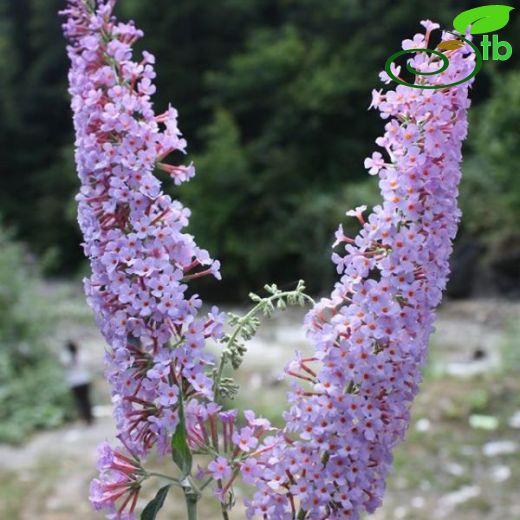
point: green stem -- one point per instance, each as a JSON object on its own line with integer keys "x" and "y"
{"x": 191, "y": 506}
{"x": 160, "y": 475}
{"x": 225, "y": 515}
{"x": 192, "y": 496}
{"x": 206, "y": 484}
{"x": 242, "y": 322}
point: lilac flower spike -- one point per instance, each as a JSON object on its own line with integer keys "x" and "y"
{"x": 351, "y": 406}
{"x": 134, "y": 239}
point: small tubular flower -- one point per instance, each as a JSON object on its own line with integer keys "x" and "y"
{"x": 119, "y": 483}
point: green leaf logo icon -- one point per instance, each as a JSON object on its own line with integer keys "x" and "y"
{"x": 485, "y": 19}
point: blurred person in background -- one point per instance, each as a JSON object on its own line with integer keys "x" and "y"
{"x": 79, "y": 379}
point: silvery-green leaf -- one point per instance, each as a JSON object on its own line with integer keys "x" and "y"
{"x": 155, "y": 505}
{"x": 181, "y": 453}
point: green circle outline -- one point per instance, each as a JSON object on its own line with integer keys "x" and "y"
{"x": 443, "y": 57}
{"x": 476, "y": 70}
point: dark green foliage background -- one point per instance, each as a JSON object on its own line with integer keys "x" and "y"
{"x": 273, "y": 98}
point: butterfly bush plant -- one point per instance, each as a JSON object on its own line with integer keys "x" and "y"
{"x": 348, "y": 404}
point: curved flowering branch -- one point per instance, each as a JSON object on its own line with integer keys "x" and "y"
{"x": 162, "y": 378}
{"x": 350, "y": 404}
{"x": 139, "y": 254}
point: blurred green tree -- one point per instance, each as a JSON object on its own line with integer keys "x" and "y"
{"x": 490, "y": 190}
{"x": 38, "y": 178}
{"x": 491, "y": 184}
{"x": 272, "y": 96}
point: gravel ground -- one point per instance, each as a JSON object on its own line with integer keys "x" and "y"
{"x": 460, "y": 461}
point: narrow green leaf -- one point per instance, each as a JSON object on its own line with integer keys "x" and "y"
{"x": 484, "y": 19}
{"x": 181, "y": 453}
{"x": 155, "y": 505}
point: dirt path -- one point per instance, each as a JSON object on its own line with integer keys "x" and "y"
{"x": 449, "y": 476}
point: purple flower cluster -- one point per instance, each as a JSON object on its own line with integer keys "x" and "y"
{"x": 122, "y": 477}
{"x": 351, "y": 404}
{"x": 133, "y": 235}
{"x": 234, "y": 449}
